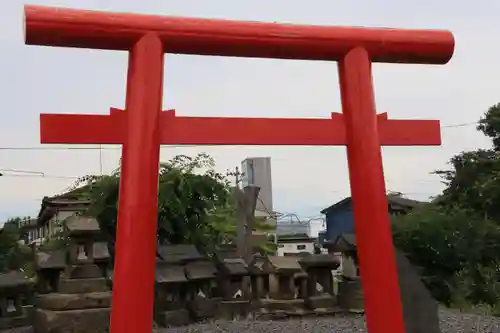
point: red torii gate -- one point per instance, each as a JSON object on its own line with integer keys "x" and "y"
{"x": 142, "y": 128}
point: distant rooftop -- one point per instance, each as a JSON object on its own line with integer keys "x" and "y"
{"x": 393, "y": 199}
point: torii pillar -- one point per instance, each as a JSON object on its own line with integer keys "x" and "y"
{"x": 142, "y": 128}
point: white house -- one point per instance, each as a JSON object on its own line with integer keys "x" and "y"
{"x": 290, "y": 245}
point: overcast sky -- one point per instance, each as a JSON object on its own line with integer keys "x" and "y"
{"x": 36, "y": 80}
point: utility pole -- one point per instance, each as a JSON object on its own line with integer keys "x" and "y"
{"x": 236, "y": 174}
{"x": 246, "y": 201}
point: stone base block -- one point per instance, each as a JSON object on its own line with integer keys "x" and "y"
{"x": 350, "y": 295}
{"x": 204, "y": 308}
{"x": 173, "y": 318}
{"x": 321, "y": 302}
{"x": 275, "y": 304}
{"x": 233, "y": 310}
{"x": 81, "y": 286}
{"x": 63, "y": 302}
{"x": 89, "y": 271}
{"x": 72, "y": 321}
{"x": 14, "y": 322}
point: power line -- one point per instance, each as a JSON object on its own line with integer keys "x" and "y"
{"x": 86, "y": 148}
{"x": 460, "y": 125}
{"x": 39, "y": 176}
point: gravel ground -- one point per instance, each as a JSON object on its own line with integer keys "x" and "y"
{"x": 451, "y": 322}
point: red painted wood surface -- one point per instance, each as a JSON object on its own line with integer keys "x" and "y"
{"x": 134, "y": 270}
{"x": 375, "y": 250}
{"x": 142, "y": 128}
{"x": 110, "y": 129}
{"x": 119, "y": 31}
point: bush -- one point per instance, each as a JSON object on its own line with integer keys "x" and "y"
{"x": 458, "y": 253}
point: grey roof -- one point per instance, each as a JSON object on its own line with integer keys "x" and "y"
{"x": 178, "y": 253}
{"x": 233, "y": 266}
{"x": 200, "y": 270}
{"x": 290, "y": 263}
{"x": 12, "y": 279}
{"x": 320, "y": 260}
{"x": 343, "y": 243}
{"x": 166, "y": 273}
{"x": 81, "y": 225}
{"x": 50, "y": 260}
{"x": 258, "y": 265}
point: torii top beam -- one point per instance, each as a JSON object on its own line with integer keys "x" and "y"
{"x": 48, "y": 26}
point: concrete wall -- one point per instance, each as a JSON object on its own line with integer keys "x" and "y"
{"x": 257, "y": 172}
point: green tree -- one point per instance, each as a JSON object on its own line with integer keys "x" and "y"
{"x": 450, "y": 247}
{"x": 14, "y": 255}
{"x": 489, "y": 124}
{"x": 194, "y": 203}
{"x": 455, "y": 238}
{"x": 223, "y": 224}
{"x": 473, "y": 183}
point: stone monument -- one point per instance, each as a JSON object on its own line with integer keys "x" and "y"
{"x": 233, "y": 280}
{"x": 81, "y": 302}
{"x": 14, "y": 287}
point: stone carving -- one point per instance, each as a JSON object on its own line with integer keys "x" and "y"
{"x": 420, "y": 309}
{"x": 259, "y": 280}
{"x": 203, "y": 300}
{"x": 234, "y": 284}
{"x": 287, "y": 283}
{"x": 172, "y": 285}
{"x": 320, "y": 291}
{"x": 79, "y": 300}
{"x": 350, "y": 293}
{"x": 14, "y": 287}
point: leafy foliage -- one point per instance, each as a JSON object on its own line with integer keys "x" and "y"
{"x": 455, "y": 239}
{"x": 194, "y": 203}
{"x": 13, "y": 254}
{"x": 448, "y": 246}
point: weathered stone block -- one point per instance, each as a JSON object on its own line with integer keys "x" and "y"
{"x": 173, "y": 318}
{"x": 321, "y": 302}
{"x": 204, "y": 308}
{"x": 420, "y": 309}
{"x": 61, "y": 302}
{"x": 233, "y": 310}
{"x": 276, "y": 304}
{"x": 14, "y": 322}
{"x": 90, "y": 271}
{"x": 80, "y": 286}
{"x": 73, "y": 321}
{"x": 350, "y": 295}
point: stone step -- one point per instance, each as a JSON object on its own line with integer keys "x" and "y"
{"x": 80, "y": 286}
{"x": 64, "y": 302}
{"x": 173, "y": 318}
{"x": 72, "y": 321}
{"x": 13, "y": 322}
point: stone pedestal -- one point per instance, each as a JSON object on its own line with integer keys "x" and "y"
{"x": 321, "y": 302}
{"x": 350, "y": 295}
{"x": 173, "y": 318}
{"x": 72, "y": 321}
{"x": 203, "y": 308}
{"x": 230, "y": 310}
{"x": 81, "y": 305}
{"x": 285, "y": 305}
